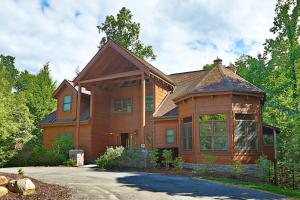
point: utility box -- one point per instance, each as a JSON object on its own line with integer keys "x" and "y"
{"x": 78, "y": 155}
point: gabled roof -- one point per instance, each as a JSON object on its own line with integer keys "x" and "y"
{"x": 138, "y": 62}
{"x": 69, "y": 84}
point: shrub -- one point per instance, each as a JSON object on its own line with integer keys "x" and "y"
{"x": 57, "y": 155}
{"x": 209, "y": 161}
{"x": 109, "y": 159}
{"x": 237, "y": 168}
{"x": 167, "y": 155}
{"x": 154, "y": 157}
{"x": 130, "y": 157}
{"x": 71, "y": 162}
{"x": 177, "y": 162}
{"x": 264, "y": 167}
{"x": 21, "y": 173}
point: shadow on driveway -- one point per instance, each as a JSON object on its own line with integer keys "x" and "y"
{"x": 186, "y": 186}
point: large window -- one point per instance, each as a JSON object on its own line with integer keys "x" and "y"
{"x": 122, "y": 105}
{"x": 67, "y": 104}
{"x": 186, "y": 134}
{"x": 213, "y": 132}
{"x": 149, "y": 104}
{"x": 170, "y": 136}
{"x": 246, "y": 133}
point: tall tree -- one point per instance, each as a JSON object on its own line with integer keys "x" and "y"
{"x": 7, "y": 65}
{"x": 37, "y": 90}
{"x": 16, "y": 122}
{"x": 125, "y": 32}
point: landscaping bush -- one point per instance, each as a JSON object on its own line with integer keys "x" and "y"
{"x": 131, "y": 157}
{"x": 167, "y": 155}
{"x": 177, "y": 162}
{"x": 57, "y": 155}
{"x": 71, "y": 162}
{"x": 237, "y": 168}
{"x": 154, "y": 157}
{"x": 209, "y": 161}
{"x": 264, "y": 168}
{"x": 109, "y": 159}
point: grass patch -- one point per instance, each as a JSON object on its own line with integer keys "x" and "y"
{"x": 259, "y": 186}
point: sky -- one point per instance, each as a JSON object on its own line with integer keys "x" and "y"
{"x": 185, "y": 34}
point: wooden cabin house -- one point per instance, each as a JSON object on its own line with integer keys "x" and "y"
{"x": 120, "y": 99}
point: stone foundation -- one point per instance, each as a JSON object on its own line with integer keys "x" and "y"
{"x": 249, "y": 168}
{"x": 78, "y": 155}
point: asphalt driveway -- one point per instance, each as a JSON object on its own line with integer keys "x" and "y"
{"x": 89, "y": 183}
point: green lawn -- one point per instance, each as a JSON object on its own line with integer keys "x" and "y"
{"x": 265, "y": 187}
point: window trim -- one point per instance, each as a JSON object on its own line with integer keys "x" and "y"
{"x": 213, "y": 135}
{"x": 186, "y": 118}
{"x": 147, "y": 96}
{"x": 235, "y": 133}
{"x": 63, "y": 103}
{"x": 166, "y": 130}
{"x": 122, "y": 102}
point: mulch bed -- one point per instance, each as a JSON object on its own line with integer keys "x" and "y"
{"x": 44, "y": 191}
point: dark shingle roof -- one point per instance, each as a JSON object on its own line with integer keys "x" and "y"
{"x": 217, "y": 79}
{"x": 184, "y": 82}
{"x": 51, "y": 118}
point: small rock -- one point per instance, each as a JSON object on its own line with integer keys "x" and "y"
{"x": 22, "y": 186}
{"x": 3, "y": 191}
{"x": 3, "y": 181}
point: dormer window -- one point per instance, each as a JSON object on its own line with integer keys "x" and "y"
{"x": 67, "y": 104}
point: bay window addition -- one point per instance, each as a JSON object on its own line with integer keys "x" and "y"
{"x": 67, "y": 103}
{"x": 122, "y": 105}
{"x": 149, "y": 104}
{"x": 213, "y": 132}
{"x": 186, "y": 134}
{"x": 246, "y": 133}
{"x": 170, "y": 136}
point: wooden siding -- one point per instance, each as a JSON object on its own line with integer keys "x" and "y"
{"x": 159, "y": 95}
{"x": 51, "y": 133}
{"x": 248, "y": 105}
{"x": 228, "y": 104}
{"x": 100, "y": 121}
{"x": 160, "y": 128}
{"x": 66, "y": 91}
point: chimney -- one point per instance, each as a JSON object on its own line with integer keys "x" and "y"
{"x": 232, "y": 67}
{"x": 218, "y": 62}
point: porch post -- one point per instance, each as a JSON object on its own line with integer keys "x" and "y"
{"x": 142, "y": 138}
{"x": 78, "y": 117}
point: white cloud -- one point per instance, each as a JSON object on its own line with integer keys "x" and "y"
{"x": 185, "y": 34}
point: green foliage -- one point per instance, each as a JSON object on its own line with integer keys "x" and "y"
{"x": 125, "y": 32}
{"x": 57, "y": 155}
{"x": 237, "y": 168}
{"x": 280, "y": 68}
{"x": 109, "y": 159}
{"x": 177, "y": 162}
{"x": 264, "y": 167}
{"x": 16, "y": 126}
{"x": 120, "y": 157}
{"x": 167, "y": 156}
{"x": 71, "y": 162}
{"x": 208, "y": 66}
{"x": 131, "y": 157}
{"x": 21, "y": 173}
{"x": 209, "y": 161}
{"x": 154, "y": 157}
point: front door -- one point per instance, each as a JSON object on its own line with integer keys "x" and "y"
{"x": 124, "y": 140}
